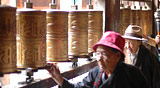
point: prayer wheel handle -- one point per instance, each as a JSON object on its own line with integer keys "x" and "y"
{"x": 90, "y": 6}
{"x": 28, "y": 4}
{"x": 53, "y": 4}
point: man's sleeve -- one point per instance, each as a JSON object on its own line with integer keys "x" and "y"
{"x": 87, "y": 82}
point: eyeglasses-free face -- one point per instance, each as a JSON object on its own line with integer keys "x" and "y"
{"x": 107, "y": 59}
{"x": 132, "y": 45}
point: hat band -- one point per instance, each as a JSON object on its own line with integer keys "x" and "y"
{"x": 133, "y": 35}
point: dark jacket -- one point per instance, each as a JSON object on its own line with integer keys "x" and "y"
{"x": 148, "y": 63}
{"x": 124, "y": 76}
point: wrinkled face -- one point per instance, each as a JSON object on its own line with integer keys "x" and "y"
{"x": 107, "y": 59}
{"x": 131, "y": 46}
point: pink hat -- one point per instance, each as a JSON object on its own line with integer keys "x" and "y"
{"x": 111, "y": 39}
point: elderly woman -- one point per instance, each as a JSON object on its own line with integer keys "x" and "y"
{"x": 111, "y": 72}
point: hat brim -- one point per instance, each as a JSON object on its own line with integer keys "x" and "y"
{"x": 134, "y": 38}
{"x": 108, "y": 44}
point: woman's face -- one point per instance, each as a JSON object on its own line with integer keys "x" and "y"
{"x": 107, "y": 59}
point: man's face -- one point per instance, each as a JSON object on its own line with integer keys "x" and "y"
{"x": 131, "y": 46}
{"x": 107, "y": 59}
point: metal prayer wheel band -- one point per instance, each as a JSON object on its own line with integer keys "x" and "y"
{"x": 7, "y": 39}
{"x": 31, "y": 47}
{"x": 95, "y": 23}
{"x": 78, "y": 33}
{"x": 57, "y": 35}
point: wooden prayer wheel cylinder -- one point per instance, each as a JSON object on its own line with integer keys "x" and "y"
{"x": 7, "y": 39}
{"x": 95, "y": 25}
{"x": 78, "y": 33}
{"x": 57, "y": 35}
{"x": 31, "y": 38}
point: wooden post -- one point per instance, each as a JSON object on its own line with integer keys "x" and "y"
{"x": 112, "y": 13}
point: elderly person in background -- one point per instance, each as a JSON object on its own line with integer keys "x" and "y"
{"x": 140, "y": 56}
{"x": 157, "y": 40}
{"x": 111, "y": 72}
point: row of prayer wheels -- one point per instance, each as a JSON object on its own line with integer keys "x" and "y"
{"x": 136, "y": 15}
{"x": 30, "y": 38}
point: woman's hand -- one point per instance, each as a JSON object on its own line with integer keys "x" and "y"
{"x": 55, "y": 73}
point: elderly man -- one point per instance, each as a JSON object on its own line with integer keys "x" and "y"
{"x": 111, "y": 72}
{"x": 140, "y": 56}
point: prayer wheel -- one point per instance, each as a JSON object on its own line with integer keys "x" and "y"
{"x": 31, "y": 38}
{"x": 145, "y": 20}
{"x": 136, "y": 15}
{"x": 77, "y": 33}
{"x": 7, "y": 39}
{"x": 126, "y": 18}
{"x": 57, "y": 35}
{"x": 150, "y": 21}
{"x": 95, "y": 24}
{"x": 121, "y": 31}
{"x": 141, "y": 17}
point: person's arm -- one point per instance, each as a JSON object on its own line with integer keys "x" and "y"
{"x": 55, "y": 73}
{"x": 87, "y": 82}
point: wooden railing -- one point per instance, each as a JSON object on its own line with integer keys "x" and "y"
{"x": 49, "y": 82}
